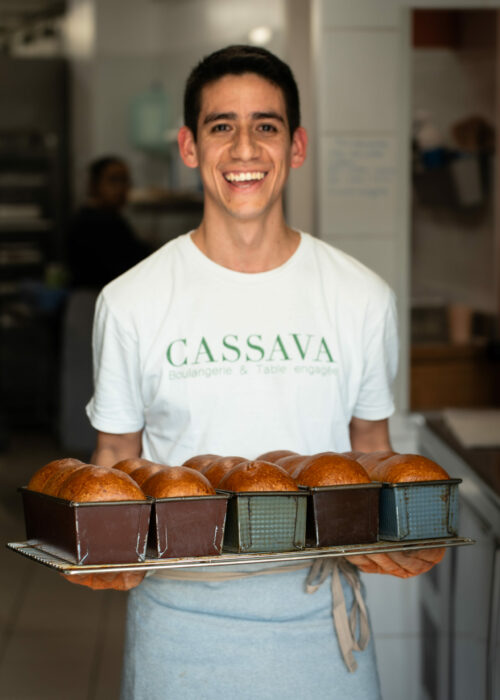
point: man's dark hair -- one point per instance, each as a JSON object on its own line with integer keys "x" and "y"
{"x": 98, "y": 166}
{"x": 237, "y": 60}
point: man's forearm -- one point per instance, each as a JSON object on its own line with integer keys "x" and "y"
{"x": 112, "y": 448}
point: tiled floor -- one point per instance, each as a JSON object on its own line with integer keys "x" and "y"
{"x": 58, "y": 641}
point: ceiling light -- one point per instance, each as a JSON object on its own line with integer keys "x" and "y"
{"x": 260, "y": 35}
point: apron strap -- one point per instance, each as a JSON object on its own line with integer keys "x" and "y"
{"x": 345, "y": 626}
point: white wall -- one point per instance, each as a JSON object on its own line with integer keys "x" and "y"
{"x": 362, "y": 51}
{"x": 141, "y": 42}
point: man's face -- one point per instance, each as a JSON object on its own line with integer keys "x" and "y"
{"x": 243, "y": 148}
{"x": 112, "y": 188}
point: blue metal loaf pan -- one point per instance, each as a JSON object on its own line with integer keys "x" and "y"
{"x": 265, "y": 521}
{"x": 419, "y": 510}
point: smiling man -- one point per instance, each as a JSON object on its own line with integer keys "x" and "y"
{"x": 240, "y": 337}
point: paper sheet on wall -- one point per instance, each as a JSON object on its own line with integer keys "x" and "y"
{"x": 359, "y": 183}
{"x": 474, "y": 427}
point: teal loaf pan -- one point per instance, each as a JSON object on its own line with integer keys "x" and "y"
{"x": 419, "y": 510}
{"x": 265, "y": 521}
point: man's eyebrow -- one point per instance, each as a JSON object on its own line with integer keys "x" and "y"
{"x": 216, "y": 116}
{"x": 232, "y": 116}
{"x": 268, "y": 115}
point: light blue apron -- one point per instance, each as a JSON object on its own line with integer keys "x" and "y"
{"x": 253, "y": 637}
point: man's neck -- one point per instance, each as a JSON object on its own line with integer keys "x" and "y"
{"x": 246, "y": 246}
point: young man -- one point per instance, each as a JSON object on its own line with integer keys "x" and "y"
{"x": 241, "y": 337}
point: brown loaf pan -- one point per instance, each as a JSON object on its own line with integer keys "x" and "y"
{"x": 338, "y": 515}
{"x": 110, "y": 532}
{"x": 191, "y": 526}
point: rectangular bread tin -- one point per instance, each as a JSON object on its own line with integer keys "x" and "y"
{"x": 344, "y": 514}
{"x": 419, "y": 510}
{"x": 111, "y": 532}
{"x": 192, "y": 526}
{"x": 265, "y": 521}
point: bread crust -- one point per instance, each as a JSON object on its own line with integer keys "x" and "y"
{"x": 175, "y": 482}
{"x": 331, "y": 469}
{"x": 258, "y": 475}
{"x": 97, "y": 484}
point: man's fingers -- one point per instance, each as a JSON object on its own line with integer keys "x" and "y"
{"x": 123, "y": 581}
{"x": 400, "y": 564}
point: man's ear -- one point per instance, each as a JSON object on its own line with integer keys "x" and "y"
{"x": 187, "y": 147}
{"x": 299, "y": 147}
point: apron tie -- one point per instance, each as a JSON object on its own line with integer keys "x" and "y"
{"x": 345, "y": 625}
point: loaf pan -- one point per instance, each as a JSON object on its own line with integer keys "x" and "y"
{"x": 343, "y": 514}
{"x": 419, "y": 510}
{"x": 265, "y": 521}
{"x": 192, "y": 526}
{"x": 110, "y": 532}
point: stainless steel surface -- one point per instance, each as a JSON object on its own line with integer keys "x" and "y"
{"x": 35, "y": 551}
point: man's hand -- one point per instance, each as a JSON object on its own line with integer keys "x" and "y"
{"x": 123, "y": 581}
{"x": 401, "y": 564}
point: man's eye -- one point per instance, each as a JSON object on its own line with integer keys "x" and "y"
{"x": 220, "y": 127}
{"x": 267, "y": 127}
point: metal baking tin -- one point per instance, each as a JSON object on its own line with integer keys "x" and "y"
{"x": 191, "y": 526}
{"x": 343, "y": 514}
{"x": 87, "y": 533}
{"x": 419, "y": 510}
{"x": 265, "y": 521}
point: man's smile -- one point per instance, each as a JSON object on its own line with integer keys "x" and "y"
{"x": 252, "y": 176}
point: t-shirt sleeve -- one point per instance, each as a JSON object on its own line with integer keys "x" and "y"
{"x": 380, "y": 360}
{"x": 116, "y": 406}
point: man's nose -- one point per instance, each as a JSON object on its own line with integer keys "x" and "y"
{"x": 244, "y": 145}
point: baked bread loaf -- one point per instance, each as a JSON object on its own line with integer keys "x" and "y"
{"x": 409, "y": 467}
{"x": 353, "y": 454}
{"x": 129, "y": 465}
{"x": 42, "y": 475}
{"x": 52, "y": 485}
{"x": 199, "y": 462}
{"x": 291, "y": 463}
{"x": 141, "y": 474}
{"x": 173, "y": 482}
{"x": 274, "y": 455}
{"x": 331, "y": 469}
{"x": 257, "y": 476}
{"x": 219, "y": 467}
{"x": 371, "y": 460}
{"x": 92, "y": 484}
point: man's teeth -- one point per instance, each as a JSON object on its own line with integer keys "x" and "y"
{"x": 244, "y": 177}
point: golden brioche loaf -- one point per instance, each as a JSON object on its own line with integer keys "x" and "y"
{"x": 371, "y": 460}
{"x": 141, "y": 474}
{"x": 216, "y": 470}
{"x": 129, "y": 465}
{"x": 173, "y": 482}
{"x": 274, "y": 455}
{"x": 52, "y": 485}
{"x": 402, "y": 468}
{"x": 257, "y": 476}
{"x": 330, "y": 469}
{"x": 291, "y": 463}
{"x": 42, "y": 475}
{"x": 199, "y": 462}
{"x": 93, "y": 484}
{"x": 353, "y": 454}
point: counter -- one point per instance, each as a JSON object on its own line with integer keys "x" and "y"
{"x": 460, "y": 599}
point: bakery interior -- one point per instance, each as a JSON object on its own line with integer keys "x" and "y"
{"x": 401, "y": 104}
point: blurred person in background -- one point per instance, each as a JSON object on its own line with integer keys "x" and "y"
{"x": 101, "y": 243}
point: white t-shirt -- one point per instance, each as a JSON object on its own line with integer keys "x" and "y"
{"x": 206, "y": 359}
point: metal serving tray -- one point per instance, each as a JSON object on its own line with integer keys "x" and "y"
{"x": 35, "y": 551}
